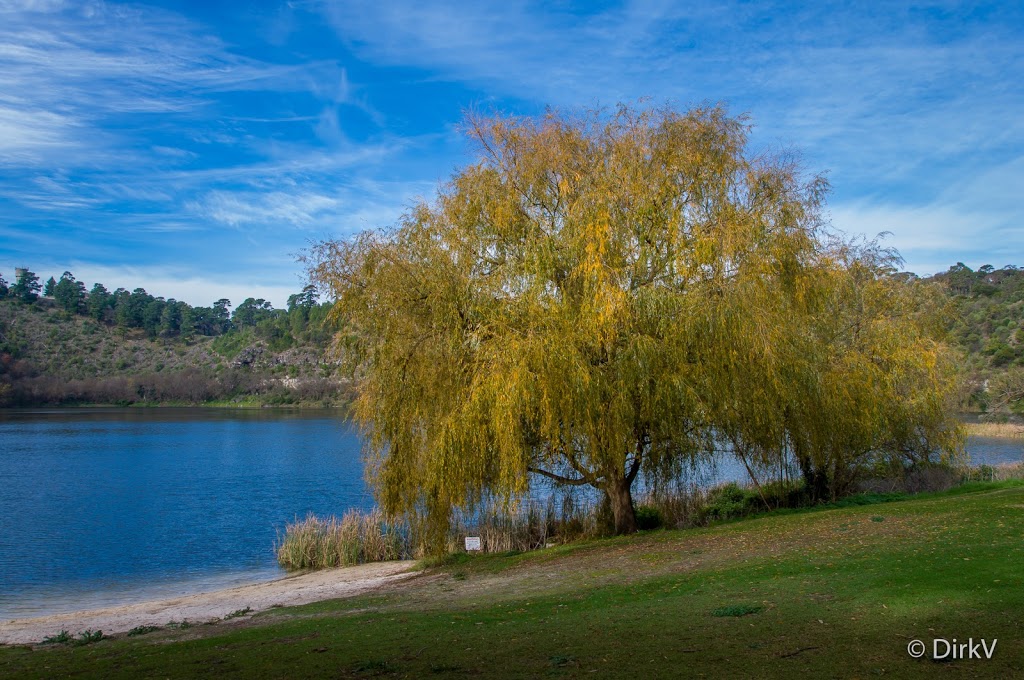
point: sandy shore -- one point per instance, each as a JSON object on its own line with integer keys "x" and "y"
{"x": 203, "y": 607}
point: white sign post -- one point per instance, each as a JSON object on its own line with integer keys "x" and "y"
{"x": 472, "y": 543}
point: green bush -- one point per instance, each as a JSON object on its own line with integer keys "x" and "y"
{"x": 648, "y": 517}
{"x": 88, "y": 637}
{"x": 61, "y": 638}
{"x": 729, "y": 501}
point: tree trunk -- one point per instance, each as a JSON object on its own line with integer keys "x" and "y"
{"x": 816, "y": 481}
{"x": 620, "y": 497}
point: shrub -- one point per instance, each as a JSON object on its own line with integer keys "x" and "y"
{"x": 648, "y": 517}
{"x": 63, "y": 637}
{"x": 729, "y": 501}
{"x": 142, "y": 630}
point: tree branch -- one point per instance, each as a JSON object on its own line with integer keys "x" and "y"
{"x": 633, "y": 469}
{"x": 558, "y": 478}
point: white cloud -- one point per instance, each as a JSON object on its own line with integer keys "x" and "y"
{"x": 26, "y": 136}
{"x": 932, "y": 237}
{"x": 67, "y": 71}
{"x": 167, "y": 282}
{"x": 872, "y": 96}
{"x": 296, "y": 209}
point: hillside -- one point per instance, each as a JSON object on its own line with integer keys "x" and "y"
{"x": 987, "y": 324}
{"x": 52, "y": 356}
{"x": 61, "y": 344}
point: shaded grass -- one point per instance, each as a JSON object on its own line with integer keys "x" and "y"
{"x": 737, "y": 610}
{"x": 840, "y": 595}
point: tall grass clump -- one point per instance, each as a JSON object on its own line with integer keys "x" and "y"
{"x": 994, "y": 473}
{"x": 995, "y": 429}
{"x": 531, "y": 524}
{"x": 358, "y": 537}
{"x": 1006, "y": 471}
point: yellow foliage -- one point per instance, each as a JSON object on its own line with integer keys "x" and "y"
{"x": 606, "y": 296}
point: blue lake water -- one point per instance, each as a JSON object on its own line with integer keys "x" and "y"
{"x": 105, "y": 506}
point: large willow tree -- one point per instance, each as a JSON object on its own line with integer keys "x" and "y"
{"x": 601, "y": 297}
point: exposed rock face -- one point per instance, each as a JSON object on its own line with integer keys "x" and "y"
{"x": 250, "y": 356}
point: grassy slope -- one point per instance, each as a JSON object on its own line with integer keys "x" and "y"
{"x": 76, "y": 348}
{"x": 841, "y": 594}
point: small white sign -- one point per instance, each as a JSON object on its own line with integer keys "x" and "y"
{"x": 472, "y": 543}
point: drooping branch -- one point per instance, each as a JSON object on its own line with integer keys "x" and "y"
{"x": 741, "y": 452}
{"x": 558, "y": 478}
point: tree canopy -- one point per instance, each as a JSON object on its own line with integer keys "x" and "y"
{"x": 608, "y": 296}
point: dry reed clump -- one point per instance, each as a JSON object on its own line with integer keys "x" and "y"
{"x": 1005, "y": 430}
{"x": 995, "y": 473}
{"x": 315, "y": 543}
{"x": 320, "y": 543}
{"x": 528, "y": 526}
{"x": 1007, "y": 471}
{"x": 680, "y": 507}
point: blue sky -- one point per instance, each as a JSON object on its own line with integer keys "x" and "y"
{"x": 194, "y": 148}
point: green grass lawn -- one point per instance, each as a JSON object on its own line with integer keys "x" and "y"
{"x": 817, "y": 594}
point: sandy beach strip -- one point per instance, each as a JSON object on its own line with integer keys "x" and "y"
{"x": 203, "y": 607}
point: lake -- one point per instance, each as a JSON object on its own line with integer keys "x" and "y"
{"x": 106, "y": 506}
{"x": 102, "y": 503}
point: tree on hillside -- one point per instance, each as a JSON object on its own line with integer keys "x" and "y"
{"x": 69, "y": 293}
{"x": 48, "y": 288}
{"x": 152, "y": 315}
{"x": 130, "y": 308}
{"x": 171, "y": 317}
{"x": 961, "y": 278}
{"x": 221, "y": 315}
{"x": 100, "y": 303}
{"x": 3, "y": 287}
{"x": 300, "y": 307}
{"x": 251, "y": 312}
{"x": 305, "y": 300}
{"x": 600, "y": 298}
{"x": 26, "y": 287}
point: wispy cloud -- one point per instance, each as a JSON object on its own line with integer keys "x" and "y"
{"x": 118, "y": 122}
{"x": 274, "y": 207}
{"x": 900, "y": 102}
{"x": 27, "y": 136}
{"x": 67, "y": 72}
{"x": 209, "y": 136}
